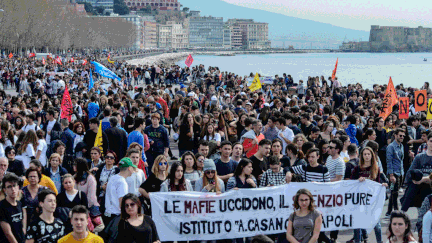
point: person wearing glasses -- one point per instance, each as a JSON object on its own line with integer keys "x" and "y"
{"x": 158, "y": 175}
{"x": 103, "y": 173}
{"x": 210, "y": 182}
{"x": 394, "y": 158}
{"x": 134, "y": 226}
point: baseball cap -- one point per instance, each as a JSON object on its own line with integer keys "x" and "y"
{"x": 126, "y": 162}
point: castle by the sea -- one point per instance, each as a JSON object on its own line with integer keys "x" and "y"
{"x": 393, "y": 39}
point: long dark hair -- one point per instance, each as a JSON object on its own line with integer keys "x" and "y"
{"x": 183, "y": 160}
{"x": 408, "y": 235}
{"x": 171, "y": 177}
{"x": 82, "y": 169}
{"x": 243, "y": 163}
{"x": 134, "y": 199}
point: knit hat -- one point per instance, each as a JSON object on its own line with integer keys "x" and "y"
{"x": 209, "y": 165}
{"x": 126, "y": 162}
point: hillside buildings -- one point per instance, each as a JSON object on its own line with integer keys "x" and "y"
{"x": 393, "y": 39}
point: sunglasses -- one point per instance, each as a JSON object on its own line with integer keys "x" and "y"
{"x": 208, "y": 172}
{"x": 130, "y": 205}
{"x": 331, "y": 147}
{"x": 163, "y": 163}
{"x": 11, "y": 152}
{"x": 109, "y": 157}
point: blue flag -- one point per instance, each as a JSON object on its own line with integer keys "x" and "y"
{"x": 91, "y": 80}
{"x": 103, "y": 71}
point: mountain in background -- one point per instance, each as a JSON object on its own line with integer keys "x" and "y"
{"x": 300, "y": 33}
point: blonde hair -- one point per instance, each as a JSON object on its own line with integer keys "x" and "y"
{"x": 66, "y": 176}
{"x": 155, "y": 167}
{"x": 55, "y": 155}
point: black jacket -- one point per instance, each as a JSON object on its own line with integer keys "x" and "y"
{"x": 55, "y": 132}
{"x": 118, "y": 141}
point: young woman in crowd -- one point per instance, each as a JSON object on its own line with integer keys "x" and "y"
{"x": 299, "y": 140}
{"x": 189, "y": 134}
{"x": 276, "y": 149}
{"x": 96, "y": 158}
{"x": 70, "y": 196}
{"x": 157, "y": 177}
{"x": 79, "y": 132}
{"x": 399, "y": 229}
{"x": 327, "y": 131}
{"x": 134, "y": 226}
{"x": 41, "y": 148}
{"x": 367, "y": 169}
{"x": 295, "y": 157}
{"x": 102, "y": 174}
{"x": 189, "y": 164}
{"x": 305, "y": 222}
{"x": 210, "y": 182}
{"x": 27, "y": 150}
{"x": 86, "y": 182}
{"x": 243, "y": 177}
{"x": 176, "y": 180}
{"x": 212, "y": 135}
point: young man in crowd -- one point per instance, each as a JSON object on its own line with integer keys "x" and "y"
{"x": 45, "y": 228}
{"x": 90, "y": 136}
{"x": 285, "y": 133}
{"x": 225, "y": 166}
{"x": 394, "y": 157}
{"x": 12, "y": 216}
{"x": 203, "y": 148}
{"x": 79, "y": 219}
{"x": 137, "y": 136}
{"x": 259, "y": 159}
{"x": 353, "y": 160}
{"x": 275, "y": 175}
{"x": 158, "y": 138}
{"x": 237, "y": 152}
{"x": 116, "y": 189}
{"x": 251, "y": 139}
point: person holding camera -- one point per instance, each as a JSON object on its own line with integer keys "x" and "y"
{"x": 210, "y": 182}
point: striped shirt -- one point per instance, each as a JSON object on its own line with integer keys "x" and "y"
{"x": 335, "y": 167}
{"x": 308, "y": 173}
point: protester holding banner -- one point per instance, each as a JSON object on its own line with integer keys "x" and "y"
{"x": 304, "y": 224}
{"x": 176, "y": 180}
{"x": 242, "y": 177}
{"x": 367, "y": 169}
{"x": 134, "y": 226}
{"x": 313, "y": 172}
{"x": 210, "y": 182}
{"x": 154, "y": 181}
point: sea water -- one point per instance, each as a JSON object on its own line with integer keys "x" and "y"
{"x": 409, "y": 69}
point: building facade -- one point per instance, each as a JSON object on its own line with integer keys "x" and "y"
{"x": 206, "y": 32}
{"x": 248, "y": 34}
{"x": 164, "y": 36}
{"x": 163, "y": 5}
{"x": 150, "y": 30}
{"x": 173, "y": 35}
{"x": 227, "y": 38}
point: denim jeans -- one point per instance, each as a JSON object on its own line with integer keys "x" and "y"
{"x": 377, "y": 230}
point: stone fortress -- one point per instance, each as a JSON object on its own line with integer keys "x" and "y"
{"x": 393, "y": 39}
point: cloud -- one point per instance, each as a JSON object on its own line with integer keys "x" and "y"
{"x": 352, "y": 14}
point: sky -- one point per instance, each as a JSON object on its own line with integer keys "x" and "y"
{"x": 352, "y": 14}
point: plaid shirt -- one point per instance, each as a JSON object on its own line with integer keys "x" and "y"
{"x": 422, "y": 148}
{"x": 271, "y": 178}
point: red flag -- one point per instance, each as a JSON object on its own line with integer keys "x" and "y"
{"x": 334, "y": 71}
{"x": 403, "y": 108}
{"x": 32, "y": 55}
{"x": 43, "y": 61}
{"x": 84, "y": 62}
{"x": 66, "y": 105}
{"x": 58, "y": 60}
{"x": 0, "y": 134}
{"x": 390, "y": 99}
{"x": 72, "y": 59}
{"x": 10, "y": 55}
{"x": 189, "y": 60}
{"x": 220, "y": 77}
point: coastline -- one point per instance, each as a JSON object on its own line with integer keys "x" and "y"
{"x": 162, "y": 59}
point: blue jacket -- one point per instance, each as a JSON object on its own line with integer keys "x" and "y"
{"x": 68, "y": 137}
{"x": 137, "y": 137}
{"x": 394, "y": 158}
{"x": 351, "y": 131}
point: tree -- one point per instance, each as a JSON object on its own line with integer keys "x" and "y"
{"x": 88, "y": 7}
{"x": 100, "y": 10}
{"x": 185, "y": 9}
{"x": 120, "y": 7}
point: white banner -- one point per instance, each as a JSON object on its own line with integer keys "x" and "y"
{"x": 181, "y": 216}
{"x": 267, "y": 80}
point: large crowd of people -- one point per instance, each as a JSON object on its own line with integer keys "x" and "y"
{"x": 59, "y": 185}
